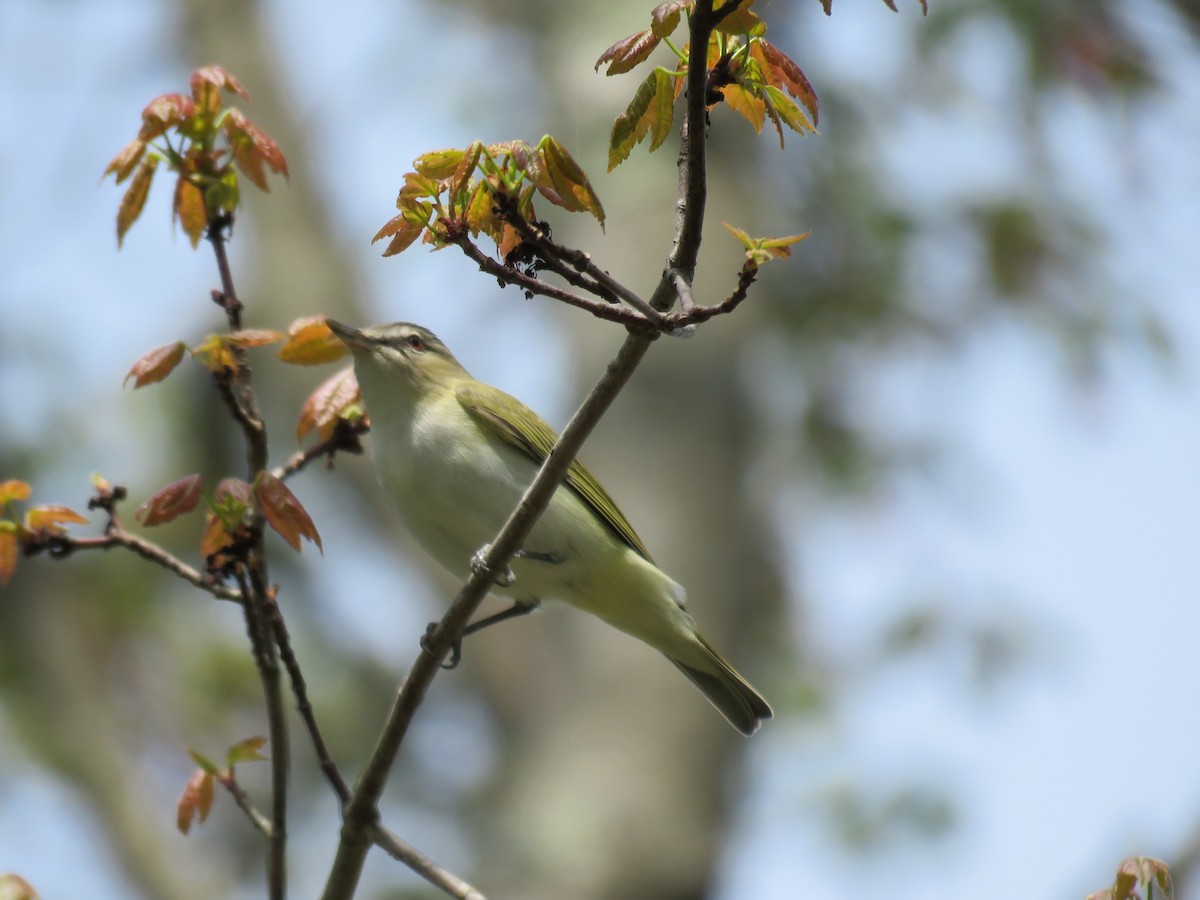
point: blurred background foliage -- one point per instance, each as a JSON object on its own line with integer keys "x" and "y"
{"x": 962, "y": 206}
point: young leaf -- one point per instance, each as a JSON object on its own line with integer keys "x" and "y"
{"x": 246, "y": 751}
{"x": 163, "y": 112}
{"x": 205, "y": 764}
{"x": 233, "y": 496}
{"x": 215, "y": 540}
{"x": 787, "y": 110}
{"x": 438, "y": 164}
{"x": 252, "y": 149}
{"x": 14, "y": 490}
{"x": 135, "y": 197}
{"x": 196, "y": 801}
{"x": 8, "y": 551}
{"x": 628, "y": 52}
{"x": 741, "y": 21}
{"x": 327, "y": 403}
{"x": 746, "y": 104}
{"x": 781, "y": 71}
{"x": 311, "y": 343}
{"x": 665, "y": 17}
{"x": 215, "y": 354}
{"x": 155, "y": 365}
{"x": 51, "y": 518}
{"x": 651, "y": 111}
{"x": 569, "y": 180}
{"x": 284, "y": 512}
{"x": 123, "y": 163}
{"x": 208, "y": 82}
{"x": 176, "y": 499}
{"x": 402, "y": 231}
{"x": 187, "y": 208}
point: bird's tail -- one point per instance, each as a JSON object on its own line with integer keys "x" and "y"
{"x": 741, "y": 705}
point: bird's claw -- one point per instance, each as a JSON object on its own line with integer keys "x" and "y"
{"x": 455, "y": 657}
{"x": 503, "y": 579}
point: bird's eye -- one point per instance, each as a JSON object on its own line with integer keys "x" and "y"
{"x": 415, "y": 342}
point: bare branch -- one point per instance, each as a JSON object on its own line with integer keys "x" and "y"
{"x": 61, "y": 546}
{"x": 303, "y": 706}
{"x": 345, "y": 439}
{"x": 242, "y": 799}
{"x": 509, "y": 275}
{"x": 436, "y": 875}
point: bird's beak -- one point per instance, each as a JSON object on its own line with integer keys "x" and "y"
{"x": 351, "y": 337}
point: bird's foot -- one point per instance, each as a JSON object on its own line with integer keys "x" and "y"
{"x": 451, "y": 661}
{"x": 503, "y": 579}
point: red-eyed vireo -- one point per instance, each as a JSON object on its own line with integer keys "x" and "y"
{"x": 455, "y": 455}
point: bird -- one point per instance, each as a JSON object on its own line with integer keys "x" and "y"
{"x": 455, "y": 456}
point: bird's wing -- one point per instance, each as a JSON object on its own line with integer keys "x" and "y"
{"x": 532, "y": 436}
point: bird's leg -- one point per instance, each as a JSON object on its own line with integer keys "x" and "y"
{"x": 507, "y": 578}
{"x": 519, "y": 608}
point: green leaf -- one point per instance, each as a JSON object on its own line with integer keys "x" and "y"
{"x": 205, "y": 764}
{"x": 246, "y": 751}
{"x": 791, "y": 114}
{"x": 651, "y": 111}
{"x": 569, "y": 180}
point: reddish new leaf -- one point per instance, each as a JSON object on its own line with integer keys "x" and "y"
{"x": 135, "y": 196}
{"x": 196, "y": 801}
{"x": 252, "y": 149}
{"x": 326, "y": 405}
{"x": 171, "y": 502}
{"x": 208, "y": 82}
{"x": 166, "y": 111}
{"x": 741, "y": 21}
{"x": 234, "y": 496}
{"x": 402, "y": 231}
{"x": 781, "y": 70}
{"x": 246, "y": 751}
{"x": 665, "y": 17}
{"x": 155, "y": 365}
{"x": 284, "y": 512}
{"x": 628, "y": 52}
{"x": 311, "y": 343}
{"x": 123, "y": 163}
{"x": 14, "y": 490}
{"x": 8, "y": 551}
{"x": 187, "y": 208}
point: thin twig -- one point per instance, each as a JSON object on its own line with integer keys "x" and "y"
{"x": 601, "y": 283}
{"x": 436, "y": 875}
{"x": 343, "y": 440}
{"x": 698, "y": 314}
{"x": 267, "y": 663}
{"x": 303, "y": 706}
{"x": 507, "y": 275}
{"x": 242, "y": 799}
{"x": 60, "y": 546}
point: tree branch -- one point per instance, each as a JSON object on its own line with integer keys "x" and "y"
{"x": 61, "y": 546}
{"x": 345, "y": 439}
